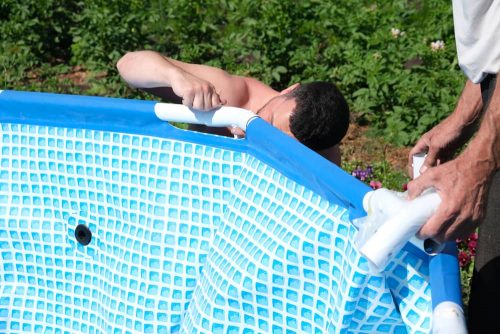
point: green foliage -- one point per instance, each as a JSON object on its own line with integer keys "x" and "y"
{"x": 466, "y": 280}
{"x": 104, "y": 30}
{"x": 396, "y": 83}
{"x": 381, "y": 171}
{"x": 32, "y": 33}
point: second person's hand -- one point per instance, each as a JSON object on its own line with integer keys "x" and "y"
{"x": 463, "y": 188}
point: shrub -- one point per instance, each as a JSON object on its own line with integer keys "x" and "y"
{"x": 104, "y": 30}
{"x": 378, "y": 53}
{"x": 33, "y": 33}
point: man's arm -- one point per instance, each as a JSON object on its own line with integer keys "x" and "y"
{"x": 463, "y": 183}
{"x": 441, "y": 142}
{"x": 199, "y": 86}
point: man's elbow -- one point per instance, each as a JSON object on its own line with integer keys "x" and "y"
{"x": 124, "y": 62}
{"x": 127, "y": 67}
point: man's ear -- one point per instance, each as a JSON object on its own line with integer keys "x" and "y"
{"x": 289, "y": 89}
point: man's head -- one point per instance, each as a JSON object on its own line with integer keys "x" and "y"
{"x": 316, "y": 114}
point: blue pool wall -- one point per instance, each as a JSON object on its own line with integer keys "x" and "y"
{"x": 264, "y": 142}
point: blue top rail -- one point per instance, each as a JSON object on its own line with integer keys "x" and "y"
{"x": 137, "y": 116}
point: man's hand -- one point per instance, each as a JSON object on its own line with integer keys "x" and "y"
{"x": 153, "y": 72}
{"x": 441, "y": 142}
{"x": 196, "y": 93}
{"x": 463, "y": 187}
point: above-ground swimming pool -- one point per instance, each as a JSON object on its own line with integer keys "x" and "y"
{"x": 114, "y": 221}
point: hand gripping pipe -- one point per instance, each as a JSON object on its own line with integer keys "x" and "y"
{"x": 403, "y": 220}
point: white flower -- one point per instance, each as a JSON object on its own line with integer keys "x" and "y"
{"x": 437, "y": 45}
{"x": 395, "y": 32}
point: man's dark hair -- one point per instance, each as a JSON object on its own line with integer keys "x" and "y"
{"x": 321, "y": 118}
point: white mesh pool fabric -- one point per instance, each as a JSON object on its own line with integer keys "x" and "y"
{"x": 186, "y": 237}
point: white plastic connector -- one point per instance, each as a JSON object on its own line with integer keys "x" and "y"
{"x": 383, "y": 201}
{"x": 417, "y": 162}
{"x": 223, "y": 116}
{"x": 403, "y": 219}
{"x": 448, "y": 318}
{"x": 430, "y": 246}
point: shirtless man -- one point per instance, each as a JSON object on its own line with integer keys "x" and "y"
{"x": 316, "y": 114}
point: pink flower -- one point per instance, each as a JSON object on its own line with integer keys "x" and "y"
{"x": 463, "y": 258}
{"x": 472, "y": 247}
{"x": 405, "y": 187}
{"x": 375, "y": 184}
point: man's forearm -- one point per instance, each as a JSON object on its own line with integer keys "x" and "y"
{"x": 147, "y": 69}
{"x": 484, "y": 149}
{"x": 469, "y": 107}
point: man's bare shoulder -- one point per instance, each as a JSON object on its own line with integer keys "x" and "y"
{"x": 258, "y": 94}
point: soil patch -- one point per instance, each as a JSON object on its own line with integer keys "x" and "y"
{"x": 360, "y": 146}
